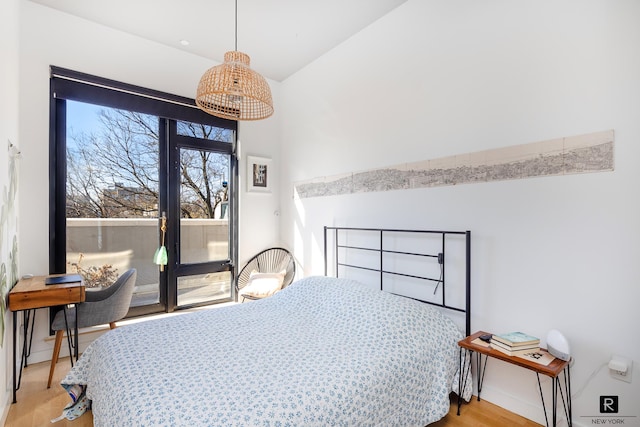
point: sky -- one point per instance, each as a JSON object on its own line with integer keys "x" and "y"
{"x": 82, "y": 117}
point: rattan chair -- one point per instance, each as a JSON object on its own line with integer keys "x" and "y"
{"x": 271, "y": 260}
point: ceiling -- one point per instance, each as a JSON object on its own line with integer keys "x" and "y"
{"x": 280, "y": 36}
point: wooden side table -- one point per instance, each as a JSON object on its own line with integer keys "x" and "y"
{"x": 553, "y": 370}
{"x": 30, "y": 294}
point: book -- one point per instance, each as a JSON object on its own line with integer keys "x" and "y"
{"x": 518, "y": 353}
{"x": 57, "y": 280}
{"x": 540, "y": 357}
{"x": 480, "y": 342}
{"x": 515, "y": 339}
{"x": 512, "y": 351}
{"x": 514, "y": 347}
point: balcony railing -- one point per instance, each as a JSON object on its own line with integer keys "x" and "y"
{"x": 124, "y": 243}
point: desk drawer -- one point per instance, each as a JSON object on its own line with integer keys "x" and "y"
{"x": 46, "y": 298}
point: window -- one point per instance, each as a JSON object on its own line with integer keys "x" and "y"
{"x": 122, "y": 159}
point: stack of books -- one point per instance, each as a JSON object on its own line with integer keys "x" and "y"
{"x": 515, "y": 343}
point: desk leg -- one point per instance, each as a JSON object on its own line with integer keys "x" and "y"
{"x": 26, "y": 346}
{"x": 567, "y": 387}
{"x": 27, "y": 316}
{"x": 565, "y": 395}
{"x": 75, "y": 332}
{"x": 15, "y": 358}
{"x": 554, "y": 396}
{"x": 481, "y": 371}
{"x": 463, "y": 373}
{"x": 544, "y": 408}
{"x": 25, "y": 341}
{"x": 69, "y": 339}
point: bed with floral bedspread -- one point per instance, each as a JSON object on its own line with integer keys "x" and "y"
{"x": 321, "y": 352}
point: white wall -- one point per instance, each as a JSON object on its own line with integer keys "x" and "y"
{"x": 8, "y": 215}
{"x": 260, "y": 212}
{"x": 439, "y": 78}
{"x": 430, "y": 79}
{"x": 48, "y": 37}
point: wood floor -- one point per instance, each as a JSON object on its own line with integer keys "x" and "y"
{"x": 37, "y": 405}
{"x": 482, "y": 414}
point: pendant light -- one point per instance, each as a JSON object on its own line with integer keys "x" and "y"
{"x": 232, "y": 90}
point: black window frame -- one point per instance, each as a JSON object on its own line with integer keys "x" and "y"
{"x": 67, "y": 84}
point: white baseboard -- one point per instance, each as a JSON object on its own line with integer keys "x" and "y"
{"x": 7, "y": 405}
{"x": 530, "y": 410}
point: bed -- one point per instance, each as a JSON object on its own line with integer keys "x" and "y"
{"x": 324, "y": 351}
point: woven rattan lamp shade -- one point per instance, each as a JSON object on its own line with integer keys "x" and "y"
{"x": 232, "y": 90}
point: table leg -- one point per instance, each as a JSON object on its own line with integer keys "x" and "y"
{"x": 32, "y": 316}
{"x": 460, "y": 376}
{"x": 463, "y": 374}
{"x": 481, "y": 371}
{"x": 75, "y": 332}
{"x": 554, "y": 397}
{"x": 27, "y": 315}
{"x": 565, "y": 395}
{"x": 25, "y": 342}
{"x": 15, "y": 358}
{"x": 546, "y": 421}
{"x": 69, "y": 339}
{"x": 567, "y": 385}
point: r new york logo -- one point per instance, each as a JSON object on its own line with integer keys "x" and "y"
{"x": 608, "y": 404}
{"x": 609, "y": 409}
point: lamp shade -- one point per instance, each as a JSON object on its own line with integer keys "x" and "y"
{"x": 232, "y": 90}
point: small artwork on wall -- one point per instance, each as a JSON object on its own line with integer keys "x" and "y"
{"x": 259, "y": 174}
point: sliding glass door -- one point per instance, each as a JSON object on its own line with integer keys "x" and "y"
{"x": 199, "y": 213}
{"x": 142, "y": 185}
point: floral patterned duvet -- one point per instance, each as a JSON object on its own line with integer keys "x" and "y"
{"x": 321, "y": 352}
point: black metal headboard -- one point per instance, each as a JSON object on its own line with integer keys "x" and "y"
{"x": 341, "y": 245}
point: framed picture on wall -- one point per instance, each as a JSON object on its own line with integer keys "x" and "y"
{"x": 259, "y": 174}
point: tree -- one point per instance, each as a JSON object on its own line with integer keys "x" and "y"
{"x": 112, "y": 171}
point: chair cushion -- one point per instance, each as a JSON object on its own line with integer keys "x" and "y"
{"x": 262, "y": 285}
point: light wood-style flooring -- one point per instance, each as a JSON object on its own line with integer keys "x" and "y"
{"x": 37, "y": 405}
{"x": 482, "y": 414}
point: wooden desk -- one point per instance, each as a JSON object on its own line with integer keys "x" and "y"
{"x": 552, "y": 370}
{"x": 30, "y": 294}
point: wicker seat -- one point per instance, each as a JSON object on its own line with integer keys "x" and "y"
{"x": 273, "y": 260}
